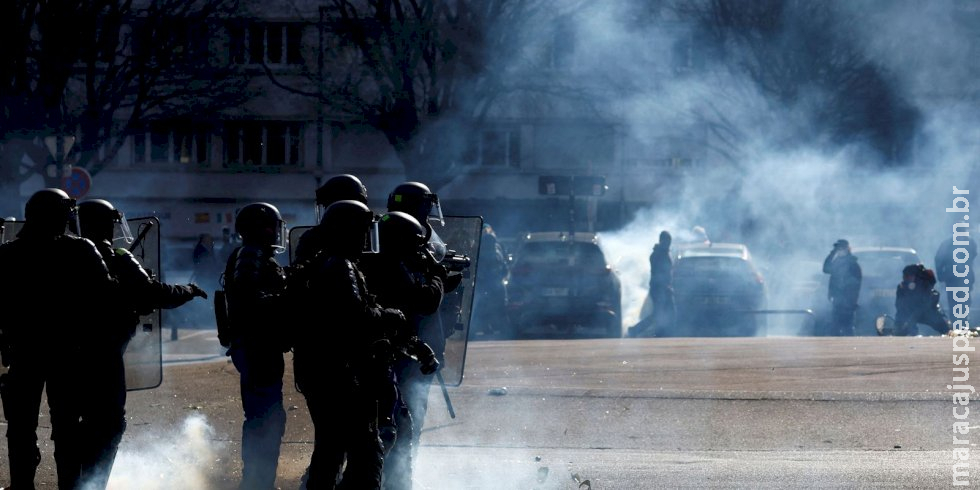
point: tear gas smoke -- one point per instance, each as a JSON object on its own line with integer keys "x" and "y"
{"x": 154, "y": 461}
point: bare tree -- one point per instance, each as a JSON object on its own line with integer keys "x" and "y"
{"x": 99, "y": 70}
{"x": 802, "y": 55}
{"x": 423, "y": 73}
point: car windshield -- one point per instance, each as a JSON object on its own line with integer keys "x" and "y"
{"x": 574, "y": 254}
{"x": 885, "y": 263}
{"x": 715, "y": 265}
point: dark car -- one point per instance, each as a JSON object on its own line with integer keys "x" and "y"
{"x": 717, "y": 292}
{"x": 560, "y": 284}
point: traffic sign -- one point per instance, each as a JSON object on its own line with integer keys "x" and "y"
{"x": 77, "y": 183}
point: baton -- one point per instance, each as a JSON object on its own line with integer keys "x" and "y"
{"x": 445, "y": 394}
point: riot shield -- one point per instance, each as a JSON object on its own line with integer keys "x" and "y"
{"x": 10, "y": 230}
{"x": 294, "y": 234}
{"x": 144, "y": 354}
{"x": 462, "y": 235}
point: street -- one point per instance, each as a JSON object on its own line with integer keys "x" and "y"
{"x": 601, "y": 414}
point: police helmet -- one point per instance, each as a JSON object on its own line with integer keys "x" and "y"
{"x": 101, "y": 221}
{"x": 400, "y": 233}
{"x": 352, "y": 226}
{"x": 339, "y": 188}
{"x": 260, "y": 224}
{"x": 48, "y": 212}
{"x": 415, "y": 199}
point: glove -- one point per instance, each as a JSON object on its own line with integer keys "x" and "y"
{"x": 197, "y": 291}
{"x": 428, "y": 363}
{"x": 451, "y": 282}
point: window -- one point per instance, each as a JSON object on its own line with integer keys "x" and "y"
{"x": 268, "y": 43}
{"x": 496, "y": 148}
{"x": 262, "y": 143}
{"x": 171, "y": 142}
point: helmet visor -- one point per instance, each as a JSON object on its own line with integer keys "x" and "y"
{"x": 436, "y": 246}
{"x": 121, "y": 232}
{"x": 280, "y": 242}
{"x": 435, "y": 212}
{"x": 372, "y": 243}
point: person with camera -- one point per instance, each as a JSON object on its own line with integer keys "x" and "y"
{"x": 340, "y": 362}
{"x": 62, "y": 281}
{"x": 398, "y": 275}
{"x": 104, "y": 412}
{"x": 917, "y": 301}
{"x": 844, "y": 287}
{"x": 255, "y": 287}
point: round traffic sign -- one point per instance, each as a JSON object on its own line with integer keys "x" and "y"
{"x": 77, "y": 183}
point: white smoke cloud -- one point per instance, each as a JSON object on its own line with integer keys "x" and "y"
{"x": 156, "y": 461}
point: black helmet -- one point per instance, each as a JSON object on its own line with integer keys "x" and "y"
{"x": 415, "y": 199}
{"x": 260, "y": 224}
{"x": 98, "y": 219}
{"x": 352, "y": 228}
{"x": 48, "y": 212}
{"x": 341, "y": 187}
{"x": 400, "y": 233}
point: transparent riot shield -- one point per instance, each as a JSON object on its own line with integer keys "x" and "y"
{"x": 10, "y": 230}
{"x": 462, "y": 236}
{"x": 144, "y": 355}
{"x": 294, "y": 234}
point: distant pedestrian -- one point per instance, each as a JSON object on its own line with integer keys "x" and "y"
{"x": 207, "y": 268}
{"x": 844, "y": 288}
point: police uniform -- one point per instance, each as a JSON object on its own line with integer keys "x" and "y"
{"x": 62, "y": 286}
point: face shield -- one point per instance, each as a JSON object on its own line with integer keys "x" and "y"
{"x": 436, "y": 246}
{"x": 73, "y": 219}
{"x": 435, "y": 211}
{"x": 318, "y": 211}
{"x": 372, "y": 242}
{"x": 121, "y": 234}
{"x": 280, "y": 242}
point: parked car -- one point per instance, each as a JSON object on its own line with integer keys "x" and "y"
{"x": 717, "y": 290}
{"x": 561, "y": 284}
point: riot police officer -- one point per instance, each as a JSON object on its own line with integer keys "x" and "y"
{"x": 337, "y": 188}
{"x": 399, "y": 277}
{"x": 843, "y": 288}
{"x": 339, "y": 358}
{"x": 62, "y": 281}
{"x": 104, "y": 413}
{"x": 416, "y": 200}
{"x": 255, "y": 285}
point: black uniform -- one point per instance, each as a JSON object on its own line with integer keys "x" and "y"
{"x": 255, "y": 285}
{"x": 407, "y": 284}
{"x": 337, "y": 366}
{"x": 62, "y": 288}
{"x": 843, "y": 290}
{"x": 104, "y": 413}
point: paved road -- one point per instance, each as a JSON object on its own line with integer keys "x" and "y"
{"x": 608, "y": 414}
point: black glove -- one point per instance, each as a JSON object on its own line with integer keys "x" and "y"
{"x": 392, "y": 317}
{"x": 197, "y": 291}
{"x": 451, "y": 282}
{"x": 428, "y": 363}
